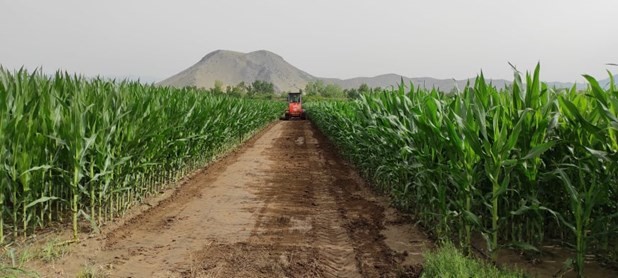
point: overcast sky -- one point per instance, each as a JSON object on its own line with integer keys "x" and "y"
{"x": 327, "y": 38}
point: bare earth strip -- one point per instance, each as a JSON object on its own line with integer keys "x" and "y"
{"x": 284, "y": 205}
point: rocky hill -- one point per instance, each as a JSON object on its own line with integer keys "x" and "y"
{"x": 232, "y": 67}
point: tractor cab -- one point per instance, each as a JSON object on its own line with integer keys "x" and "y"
{"x": 294, "y": 97}
{"x": 295, "y": 109}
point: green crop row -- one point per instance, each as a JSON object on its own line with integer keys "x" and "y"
{"x": 520, "y": 165}
{"x": 75, "y": 148}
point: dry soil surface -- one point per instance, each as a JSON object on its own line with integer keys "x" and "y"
{"x": 283, "y": 205}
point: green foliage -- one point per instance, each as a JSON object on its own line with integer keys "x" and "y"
{"x": 333, "y": 91}
{"x": 240, "y": 90}
{"x": 363, "y": 89}
{"x": 351, "y": 93}
{"x": 447, "y": 261}
{"x": 315, "y": 88}
{"x": 259, "y": 87}
{"x": 92, "y": 271}
{"x": 52, "y": 251}
{"x": 355, "y": 93}
{"x": 91, "y": 149}
{"x": 217, "y": 88}
{"x": 318, "y": 88}
{"x": 14, "y": 272}
{"x": 12, "y": 261}
{"x": 516, "y": 165}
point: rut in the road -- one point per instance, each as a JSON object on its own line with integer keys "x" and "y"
{"x": 298, "y": 227}
{"x": 284, "y": 205}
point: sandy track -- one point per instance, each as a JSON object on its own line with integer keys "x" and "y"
{"x": 284, "y": 205}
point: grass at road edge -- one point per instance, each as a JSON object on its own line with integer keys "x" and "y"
{"x": 14, "y": 257}
{"x": 448, "y": 261}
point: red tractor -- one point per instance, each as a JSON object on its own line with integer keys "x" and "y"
{"x": 295, "y": 108}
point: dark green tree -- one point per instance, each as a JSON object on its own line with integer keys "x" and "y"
{"x": 364, "y": 88}
{"x": 218, "y": 88}
{"x": 332, "y": 91}
{"x": 351, "y": 93}
{"x": 314, "y": 88}
{"x": 262, "y": 87}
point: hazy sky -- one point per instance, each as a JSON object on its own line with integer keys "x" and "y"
{"x": 336, "y": 38}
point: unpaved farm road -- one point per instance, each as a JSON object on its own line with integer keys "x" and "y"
{"x": 283, "y": 205}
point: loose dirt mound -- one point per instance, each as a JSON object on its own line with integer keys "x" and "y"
{"x": 285, "y": 205}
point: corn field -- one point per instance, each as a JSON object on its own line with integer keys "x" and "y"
{"x": 521, "y": 166}
{"x": 88, "y": 149}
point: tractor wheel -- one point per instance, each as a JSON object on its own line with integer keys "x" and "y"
{"x": 303, "y": 116}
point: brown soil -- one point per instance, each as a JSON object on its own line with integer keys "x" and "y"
{"x": 284, "y": 205}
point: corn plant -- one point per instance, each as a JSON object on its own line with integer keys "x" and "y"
{"x": 589, "y": 166}
{"x": 517, "y": 165}
{"x": 75, "y": 148}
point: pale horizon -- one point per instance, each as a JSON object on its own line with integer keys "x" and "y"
{"x": 154, "y": 40}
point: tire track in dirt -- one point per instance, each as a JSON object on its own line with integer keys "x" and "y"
{"x": 284, "y": 205}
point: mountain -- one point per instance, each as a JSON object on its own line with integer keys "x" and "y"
{"x": 388, "y": 80}
{"x": 582, "y": 85}
{"x": 231, "y": 68}
{"x": 605, "y": 82}
{"x": 131, "y": 77}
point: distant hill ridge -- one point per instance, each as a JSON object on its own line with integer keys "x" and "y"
{"x": 232, "y": 67}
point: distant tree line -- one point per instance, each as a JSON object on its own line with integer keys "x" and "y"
{"x": 319, "y": 89}
{"x": 257, "y": 88}
{"x": 313, "y": 90}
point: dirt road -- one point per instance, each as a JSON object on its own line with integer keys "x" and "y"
{"x": 284, "y": 205}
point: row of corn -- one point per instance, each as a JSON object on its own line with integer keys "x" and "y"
{"x": 520, "y": 166}
{"x": 88, "y": 149}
